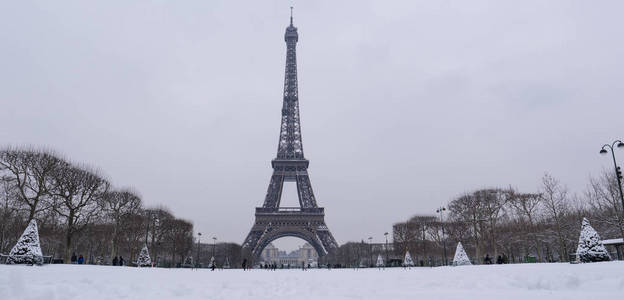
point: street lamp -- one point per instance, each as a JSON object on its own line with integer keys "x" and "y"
{"x": 386, "y": 234}
{"x": 214, "y": 244}
{"x": 440, "y": 211}
{"x": 618, "y": 171}
{"x": 198, "y": 238}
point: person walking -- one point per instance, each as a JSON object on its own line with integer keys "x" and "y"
{"x": 80, "y": 260}
{"x": 74, "y": 258}
{"x": 121, "y": 260}
{"x": 115, "y": 261}
{"x": 245, "y": 264}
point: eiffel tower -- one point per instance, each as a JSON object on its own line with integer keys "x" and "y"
{"x": 307, "y": 221}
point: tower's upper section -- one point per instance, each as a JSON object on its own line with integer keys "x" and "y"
{"x": 290, "y": 146}
{"x": 291, "y": 32}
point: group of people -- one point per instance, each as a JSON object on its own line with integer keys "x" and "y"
{"x": 271, "y": 267}
{"x": 118, "y": 261}
{"x": 79, "y": 260}
{"x": 499, "y": 260}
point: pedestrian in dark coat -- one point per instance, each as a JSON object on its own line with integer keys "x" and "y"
{"x": 115, "y": 260}
{"x": 121, "y": 260}
{"x": 245, "y": 264}
{"x": 80, "y": 260}
{"x": 74, "y": 258}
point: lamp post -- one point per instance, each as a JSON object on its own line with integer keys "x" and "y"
{"x": 370, "y": 249}
{"x": 198, "y": 238}
{"x": 386, "y": 234}
{"x": 618, "y": 171}
{"x": 214, "y": 244}
{"x": 441, "y": 211}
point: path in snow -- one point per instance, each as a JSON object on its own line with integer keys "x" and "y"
{"x": 527, "y": 281}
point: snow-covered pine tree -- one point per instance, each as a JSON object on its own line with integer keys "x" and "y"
{"x": 188, "y": 261}
{"x": 27, "y": 250}
{"x": 408, "y": 262}
{"x": 144, "y": 258}
{"x": 461, "y": 258}
{"x": 212, "y": 262}
{"x": 590, "y": 247}
{"x": 380, "y": 262}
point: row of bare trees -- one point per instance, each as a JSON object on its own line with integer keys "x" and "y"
{"x": 544, "y": 224}
{"x": 78, "y": 211}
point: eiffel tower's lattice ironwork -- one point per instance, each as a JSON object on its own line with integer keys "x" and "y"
{"x": 307, "y": 221}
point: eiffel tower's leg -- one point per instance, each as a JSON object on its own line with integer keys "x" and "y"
{"x": 274, "y": 191}
{"x": 306, "y": 195}
{"x": 252, "y": 239}
{"x": 327, "y": 239}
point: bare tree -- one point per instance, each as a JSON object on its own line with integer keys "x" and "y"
{"x": 133, "y": 233}
{"x": 30, "y": 172}
{"x": 493, "y": 202}
{"x": 468, "y": 209}
{"x": 117, "y": 205}
{"x": 556, "y": 203}
{"x": 604, "y": 197}
{"x": 159, "y": 229}
{"x": 181, "y": 239}
{"x": 526, "y": 206}
{"x": 76, "y": 193}
{"x": 420, "y": 225}
{"x": 7, "y": 212}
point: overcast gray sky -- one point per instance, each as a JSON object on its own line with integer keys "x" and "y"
{"x": 404, "y": 104}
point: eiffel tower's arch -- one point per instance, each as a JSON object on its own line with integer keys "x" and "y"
{"x": 283, "y": 232}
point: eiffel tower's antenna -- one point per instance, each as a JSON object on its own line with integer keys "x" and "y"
{"x": 291, "y": 13}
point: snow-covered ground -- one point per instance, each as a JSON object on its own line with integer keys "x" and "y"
{"x": 529, "y": 281}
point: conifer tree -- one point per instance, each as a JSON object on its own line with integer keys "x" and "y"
{"x": 27, "y": 250}
{"x": 212, "y": 262}
{"x": 461, "y": 258}
{"x": 408, "y": 262}
{"x": 144, "y": 258}
{"x": 380, "y": 262}
{"x": 188, "y": 261}
{"x": 590, "y": 247}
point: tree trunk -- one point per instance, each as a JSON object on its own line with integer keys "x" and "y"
{"x": 476, "y": 239}
{"x": 114, "y": 239}
{"x": 493, "y": 239}
{"x": 563, "y": 252}
{"x": 68, "y": 237}
{"x": 31, "y": 213}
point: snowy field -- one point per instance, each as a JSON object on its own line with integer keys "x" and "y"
{"x": 528, "y": 281}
